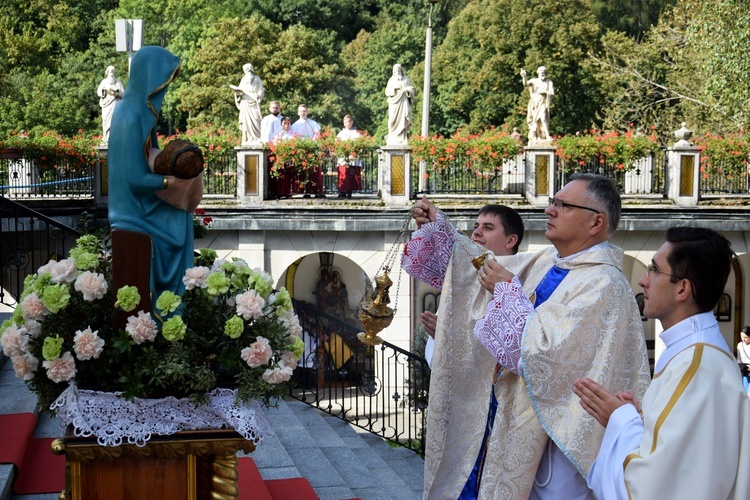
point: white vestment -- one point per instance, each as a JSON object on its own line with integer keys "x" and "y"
{"x": 693, "y": 441}
{"x": 308, "y": 128}
{"x": 269, "y": 126}
{"x": 589, "y": 327}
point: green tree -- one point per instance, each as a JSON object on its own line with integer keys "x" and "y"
{"x": 476, "y": 81}
{"x": 296, "y": 65}
{"x": 680, "y": 71}
{"x": 632, "y": 17}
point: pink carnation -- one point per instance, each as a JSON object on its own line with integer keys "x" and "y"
{"x": 87, "y": 344}
{"x": 25, "y": 366}
{"x": 195, "y": 277}
{"x": 61, "y": 369}
{"x": 46, "y": 268}
{"x": 250, "y": 305}
{"x": 14, "y": 341}
{"x": 288, "y": 359}
{"x": 63, "y": 271}
{"x": 32, "y": 307}
{"x": 92, "y": 285}
{"x": 142, "y": 327}
{"x": 277, "y": 375}
{"x": 290, "y": 321}
{"x": 33, "y": 328}
{"x": 258, "y": 353}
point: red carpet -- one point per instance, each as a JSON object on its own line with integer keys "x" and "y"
{"x": 38, "y": 470}
{"x": 253, "y": 487}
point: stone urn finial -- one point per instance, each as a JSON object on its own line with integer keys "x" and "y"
{"x": 682, "y": 136}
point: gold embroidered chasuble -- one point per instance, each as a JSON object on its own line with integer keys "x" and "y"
{"x": 590, "y": 326}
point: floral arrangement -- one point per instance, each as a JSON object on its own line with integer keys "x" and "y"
{"x": 351, "y": 149}
{"x": 481, "y": 153}
{"x": 724, "y": 155}
{"x": 299, "y": 153}
{"x": 52, "y": 152}
{"x": 228, "y": 329}
{"x": 619, "y": 149}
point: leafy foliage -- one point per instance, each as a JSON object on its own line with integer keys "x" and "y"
{"x": 621, "y": 150}
{"x": 229, "y": 329}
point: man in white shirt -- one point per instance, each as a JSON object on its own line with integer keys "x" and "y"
{"x": 308, "y": 128}
{"x": 692, "y": 438}
{"x": 271, "y": 123}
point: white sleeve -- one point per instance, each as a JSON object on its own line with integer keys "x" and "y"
{"x": 429, "y": 349}
{"x": 623, "y": 435}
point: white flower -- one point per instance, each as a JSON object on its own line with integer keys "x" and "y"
{"x": 290, "y": 321}
{"x": 277, "y": 375}
{"x": 14, "y": 341}
{"x": 46, "y": 268}
{"x": 61, "y": 369}
{"x": 64, "y": 271}
{"x": 250, "y": 305}
{"x": 195, "y": 277}
{"x": 33, "y": 328}
{"x": 142, "y": 327}
{"x": 25, "y": 366}
{"x": 258, "y": 354}
{"x": 288, "y": 359}
{"x": 92, "y": 285}
{"x": 87, "y": 344}
{"x": 32, "y": 307}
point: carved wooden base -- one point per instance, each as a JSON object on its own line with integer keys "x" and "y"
{"x": 188, "y": 465}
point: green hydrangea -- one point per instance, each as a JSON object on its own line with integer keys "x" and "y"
{"x": 217, "y": 283}
{"x": 233, "y": 327}
{"x": 52, "y": 348}
{"x": 128, "y": 298}
{"x": 208, "y": 254}
{"x": 297, "y": 347}
{"x": 174, "y": 329}
{"x": 283, "y": 301}
{"x": 86, "y": 261}
{"x": 87, "y": 243}
{"x": 168, "y": 302}
{"x": 55, "y": 297}
{"x": 257, "y": 282}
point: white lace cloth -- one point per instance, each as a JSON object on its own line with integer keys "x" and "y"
{"x": 114, "y": 420}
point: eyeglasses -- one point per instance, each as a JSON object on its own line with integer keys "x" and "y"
{"x": 652, "y": 269}
{"x": 559, "y": 204}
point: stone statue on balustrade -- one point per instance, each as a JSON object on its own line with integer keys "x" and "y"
{"x": 541, "y": 91}
{"x": 400, "y": 95}
{"x": 110, "y": 92}
{"x": 247, "y": 97}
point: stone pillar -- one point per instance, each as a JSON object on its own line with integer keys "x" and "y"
{"x": 101, "y": 177}
{"x": 394, "y": 181}
{"x": 540, "y": 175}
{"x": 252, "y": 173}
{"x": 683, "y": 170}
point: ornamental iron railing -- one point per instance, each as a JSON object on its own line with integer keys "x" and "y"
{"x": 382, "y": 389}
{"x": 28, "y": 240}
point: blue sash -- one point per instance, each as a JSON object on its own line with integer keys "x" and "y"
{"x": 543, "y": 291}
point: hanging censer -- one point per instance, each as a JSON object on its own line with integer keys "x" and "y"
{"x": 373, "y": 311}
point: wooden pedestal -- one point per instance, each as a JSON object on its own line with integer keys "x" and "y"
{"x": 188, "y": 465}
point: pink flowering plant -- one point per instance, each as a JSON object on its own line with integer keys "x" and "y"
{"x": 230, "y": 328}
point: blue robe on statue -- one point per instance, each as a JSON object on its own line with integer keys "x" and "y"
{"x": 133, "y": 203}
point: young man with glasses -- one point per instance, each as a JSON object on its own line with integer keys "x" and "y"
{"x": 541, "y": 320}
{"x": 695, "y": 416}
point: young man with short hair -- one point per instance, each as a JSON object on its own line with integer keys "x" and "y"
{"x": 692, "y": 439}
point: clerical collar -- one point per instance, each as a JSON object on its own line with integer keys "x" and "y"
{"x": 598, "y": 246}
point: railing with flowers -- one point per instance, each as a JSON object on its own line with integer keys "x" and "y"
{"x": 467, "y": 164}
{"x": 382, "y": 389}
{"x": 724, "y": 164}
{"x": 634, "y": 162}
{"x": 47, "y": 166}
{"x": 298, "y": 157}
